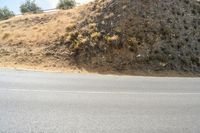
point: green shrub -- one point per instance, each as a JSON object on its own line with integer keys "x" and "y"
{"x": 66, "y": 4}
{"x": 30, "y": 6}
{"x": 5, "y": 13}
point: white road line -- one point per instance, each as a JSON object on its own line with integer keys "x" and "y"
{"x": 103, "y": 92}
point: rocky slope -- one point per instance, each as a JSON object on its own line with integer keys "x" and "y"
{"x": 144, "y": 35}
{"x": 123, "y": 36}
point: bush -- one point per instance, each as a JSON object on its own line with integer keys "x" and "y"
{"x": 66, "y": 4}
{"x": 30, "y": 6}
{"x": 5, "y": 13}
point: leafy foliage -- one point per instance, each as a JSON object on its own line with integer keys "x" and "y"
{"x": 5, "y": 13}
{"x": 66, "y": 4}
{"x": 30, "y": 6}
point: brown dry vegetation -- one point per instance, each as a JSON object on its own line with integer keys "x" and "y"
{"x": 34, "y": 40}
{"x": 141, "y": 37}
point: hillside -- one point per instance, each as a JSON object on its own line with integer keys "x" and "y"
{"x": 123, "y": 36}
{"x": 34, "y": 40}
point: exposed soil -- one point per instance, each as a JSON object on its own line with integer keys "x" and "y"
{"x": 137, "y": 37}
{"x": 35, "y": 40}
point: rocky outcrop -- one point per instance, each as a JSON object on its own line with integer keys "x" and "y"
{"x": 146, "y": 35}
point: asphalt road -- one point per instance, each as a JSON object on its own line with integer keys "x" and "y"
{"x": 36, "y": 102}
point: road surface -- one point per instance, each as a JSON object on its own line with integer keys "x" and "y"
{"x": 36, "y": 102}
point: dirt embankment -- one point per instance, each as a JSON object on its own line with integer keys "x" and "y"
{"x": 142, "y": 37}
{"x": 36, "y": 40}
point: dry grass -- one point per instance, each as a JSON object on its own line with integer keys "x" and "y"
{"x": 32, "y": 40}
{"x": 105, "y": 36}
{"x": 32, "y": 29}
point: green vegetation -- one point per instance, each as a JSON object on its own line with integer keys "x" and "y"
{"x": 66, "y": 4}
{"x": 5, "y": 13}
{"x": 30, "y": 6}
